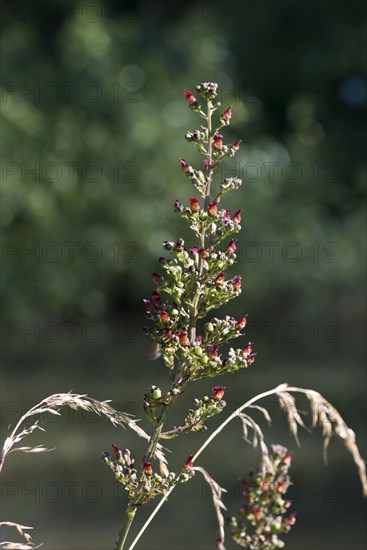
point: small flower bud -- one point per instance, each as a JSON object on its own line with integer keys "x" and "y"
{"x": 203, "y": 253}
{"x": 212, "y": 209}
{"x": 189, "y": 463}
{"x": 164, "y": 317}
{"x": 214, "y": 352}
{"x": 117, "y": 452}
{"x": 218, "y": 392}
{"x": 232, "y": 246}
{"x": 247, "y": 350}
{"x": 258, "y": 513}
{"x": 291, "y": 519}
{"x": 198, "y": 350}
{"x": 209, "y": 327}
{"x": 237, "y": 217}
{"x": 155, "y": 392}
{"x": 236, "y": 145}
{"x": 227, "y": 214}
{"x": 191, "y": 99}
{"x": 287, "y": 459}
{"x": 185, "y": 166}
{"x": 147, "y": 467}
{"x": 194, "y": 205}
{"x": 226, "y": 116}
{"x": 241, "y": 323}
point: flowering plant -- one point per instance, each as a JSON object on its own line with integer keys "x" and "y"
{"x": 194, "y": 284}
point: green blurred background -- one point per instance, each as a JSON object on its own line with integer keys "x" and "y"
{"x": 93, "y": 123}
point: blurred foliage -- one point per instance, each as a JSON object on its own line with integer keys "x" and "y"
{"x": 93, "y": 124}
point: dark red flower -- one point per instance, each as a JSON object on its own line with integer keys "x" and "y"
{"x": 219, "y": 278}
{"x": 241, "y": 323}
{"x": 232, "y": 246}
{"x": 115, "y": 449}
{"x": 157, "y": 278}
{"x": 189, "y": 463}
{"x": 191, "y": 99}
{"x": 203, "y": 253}
{"x": 247, "y": 350}
{"x": 185, "y": 166}
{"x": 212, "y": 209}
{"x": 287, "y": 459}
{"x": 183, "y": 339}
{"x": 147, "y": 467}
{"x": 236, "y": 145}
{"x": 218, "y": 392}
{"x": 157, "y": 299}
{"x": 258, "y": 513}
{"x": 291, "y": 519}
{"x": 227, "y": 214}
{"x": 236, "y": 281}
{"x": 237, "y": 217}
{"x": 165, "y": 318}
{"x": 218, "y": 141}
{"x": 214, "y": 352}
{"x": 194, "y": 205}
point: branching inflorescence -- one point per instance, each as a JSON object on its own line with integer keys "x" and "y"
{"x": 194, "y": 284}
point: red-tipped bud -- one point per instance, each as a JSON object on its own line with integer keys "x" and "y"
{"x": 241, "y": 323}
{"x": 194, "y": 205}
{"x": 258, "y": 513}
{"x": 147, "y": 467}
{"x": 227, "y": 214}
{"x": 281, "y": 487}
{"x": 203, "y": 253}
{"x": 226, "y": 116}
{"x": 191, "y": 99}
{"x": 183, "y": 339}
{"x": 236, "y": 145}
{"x": 157, "y": 278}
{"x": 219, "y": 278}
{"x": 287, "y": 459}
{"x": 236, "y": 281}
{"x": 213, "y": 352}
{"x": 232, "y": 246}
{"x": 164, "y": 317}
{"x": 252, "y": 358}
{"x": 185, "y": 166}
{"x": 247, "y": 350}
{"x": 115, "y": 449}
{"x": 213, "y": 209}
{"x": 218, "y": 392}
{"x": 237, "y": 217}
{"x": 291, "y": 519}
{"x": 189, "y": 462}
{"x": 218, "y": 141}
{"x": 156, "y": 297}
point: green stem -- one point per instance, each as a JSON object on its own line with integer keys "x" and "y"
{"x": 124, "y": 531}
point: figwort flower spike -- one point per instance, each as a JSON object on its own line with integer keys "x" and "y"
{"x": 194, "y": 284}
